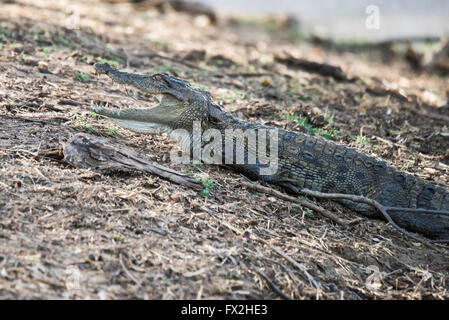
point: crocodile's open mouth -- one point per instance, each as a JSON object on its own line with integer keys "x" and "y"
{"x": 153, "y": 120}
{"x": 147, "y": 121}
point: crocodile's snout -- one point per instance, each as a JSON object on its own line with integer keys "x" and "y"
{"x": 102, "y": 67}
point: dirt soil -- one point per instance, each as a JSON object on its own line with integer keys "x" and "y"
{"x": 82, "y": 234}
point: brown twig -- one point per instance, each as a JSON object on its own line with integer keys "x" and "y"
{"x": 432, "y": 115}
{"x": 43, "y": 121}
{"x": 130, "y": 275}
{"x": 302, "y": 202}
{"x": 385, "y": 92}
{"x": 382, "y": 209}
{"x": 314, "y": 67}
{"x": 418, "y": 210}
{"x": 272, "y": 285}
{"x": 299, "y": 266}
{"x": 242, "y": 74}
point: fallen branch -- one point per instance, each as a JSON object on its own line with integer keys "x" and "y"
{"x": 242, "y": 74}
{"x": 382, "y": 45}
{"x": 47, "y": 121}
{"x": 378, "y": 91}
{"x": 272, "y": 285}
{"x": 302, "y": 202}
{"x": 382, "y": 209}
{"x": 432, "y": 115}
{"x": 88, "y": 151}
{"x": 314, "y": 67}
{"x": 300, "y": 267}
{"x": 193, "y": 8}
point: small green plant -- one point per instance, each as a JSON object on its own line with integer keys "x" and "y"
{"x": 23, "y": 57}
{"x": 81, "y": 76}
{"x": 408, "y": 165}
{"x": 328, "y": 117}
{"x": 296, "y": 209}
{"x": 195, "y": 165}
{"x": 208, "y": 185}
{"x": 85, "y": 123}
{"x": 48, "y": 49}
{"x": 95, "y": 115}
{"x": 63, "y": 40}
{"x": 192, "y": 166}
{"x": 308, "y": 213}
{"x": 360, "y": 245}
{"x": 302, "y": 121}
{"x": 110, "y": 131}
{"x": 363, "y": 141}
{"x": 329, "y": 132}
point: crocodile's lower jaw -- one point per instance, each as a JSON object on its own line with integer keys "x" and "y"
{"x": 143, "y": 127}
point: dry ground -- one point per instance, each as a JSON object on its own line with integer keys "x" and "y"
{"x": 71, "y": 233}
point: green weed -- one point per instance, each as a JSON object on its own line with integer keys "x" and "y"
{"x": 81, "y": 76}
{"x": 208, "y": 185}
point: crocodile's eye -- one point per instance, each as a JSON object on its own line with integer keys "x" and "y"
{"x": 157, "y": 77}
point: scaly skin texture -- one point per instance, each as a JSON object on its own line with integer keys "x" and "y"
{"x": 304, "y": 161}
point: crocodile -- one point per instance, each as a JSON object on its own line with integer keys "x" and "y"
{"x": 302, "y": 160}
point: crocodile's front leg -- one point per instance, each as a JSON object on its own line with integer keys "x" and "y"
{"x": 159, "y": 83}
